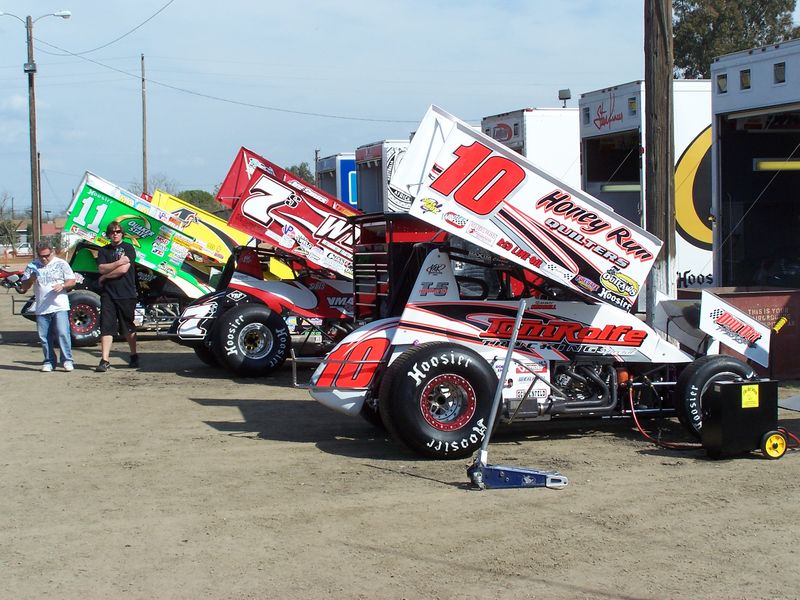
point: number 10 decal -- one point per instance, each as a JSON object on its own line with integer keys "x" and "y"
{"x": 480, "y": 183}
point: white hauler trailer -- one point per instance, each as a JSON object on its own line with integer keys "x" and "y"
{"x": 336, "y": 175}
{"x": 756, "y": 166}
{"x": 612, "y": 132}
{"x": 375, "y": 164}
{"x": 548, "y": 137}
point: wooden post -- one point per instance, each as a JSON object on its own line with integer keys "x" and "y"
{"x": 659, "y": 172}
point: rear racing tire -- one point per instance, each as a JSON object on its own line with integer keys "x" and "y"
{"x": 84, "y": 318}
{"x": 251, "y": 340}
{"x": 436, "y": 398}
{"x": 696, "y": 379}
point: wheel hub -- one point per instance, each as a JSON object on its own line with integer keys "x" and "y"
{"x": 255, "y": 340}
{"x": 448, "y": 402}
{"x": 83, "y": 318}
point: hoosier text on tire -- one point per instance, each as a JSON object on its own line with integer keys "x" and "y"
{"x": 695, "y": 381}
{"x": 251, "y": 340}
{"x": 436, "y": 399}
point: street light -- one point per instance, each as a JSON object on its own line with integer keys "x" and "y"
{"x": 30, "y": 68}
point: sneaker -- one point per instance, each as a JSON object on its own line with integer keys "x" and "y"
{"x": 68, "y": 366}
{"x": 47, "y": 368}
{"x": 103, "y": 366}
{"x": 134, "y": 363}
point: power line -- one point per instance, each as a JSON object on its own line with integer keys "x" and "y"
{"x": 230, "y": 101}
{"x": 115, "y": 40}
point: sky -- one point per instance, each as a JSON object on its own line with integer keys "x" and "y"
{"x": 281, "y": 78}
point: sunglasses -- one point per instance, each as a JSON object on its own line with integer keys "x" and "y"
{"x": 45, "y": 256}
{"x": 113, "y": 231}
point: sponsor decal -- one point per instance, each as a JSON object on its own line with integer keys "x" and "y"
{"x": 429, "y": 205}
{"x": 419, "y": 371}
{"x": 588, "y": 222}
{"x": 235, "y": 295}
{"x": 340, "y": 301}
{"x": 612, "y": 298}
{"x": 479, "y": 232}
{"x": 502, "y": 132}
{"x": 166, "y": 269}
{"x": 585, "y": 283}
{"x": 619, "y": 283}
{"x": 436, "y": 289}
{"x": 603, "y": 117}
{"x": 733, "y": 327}
{"x": 477, "y": 433}
{"x": 138, "y": 229}
{"x": 456, "y": 220}
{"x": 557, "y": 330}
{"x": 436, "y": 269}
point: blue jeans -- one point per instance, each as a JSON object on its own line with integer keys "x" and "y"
{"x": 54, "y": 328}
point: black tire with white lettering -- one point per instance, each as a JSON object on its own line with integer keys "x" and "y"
{"x": 697, "y": 378}
{"x": 436, "y": 399}
{"x": 84, "y": 318}
{"x": 251, "y": 340}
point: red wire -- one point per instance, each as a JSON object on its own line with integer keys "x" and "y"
{"x": 647, "y": 436}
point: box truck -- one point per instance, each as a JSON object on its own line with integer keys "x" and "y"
{"x": 547, "y": 136}
{"x": 612, "y": 132}
{"x": 336, "y": 175}
{"x": 375, "y": 164}
{"x": 756, "y": 166}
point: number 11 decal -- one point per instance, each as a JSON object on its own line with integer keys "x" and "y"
{"x": 86, "y": 205}
{"x": 481, "y": 182}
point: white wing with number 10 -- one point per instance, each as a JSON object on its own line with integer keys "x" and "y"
{"x": 471, "y": 186}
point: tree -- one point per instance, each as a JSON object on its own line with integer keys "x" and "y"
{"x": 159, "y": 181}
{"x": 303, "y": 171}
{"x": 201, "y": 199}
{"x": 705, "y": 29}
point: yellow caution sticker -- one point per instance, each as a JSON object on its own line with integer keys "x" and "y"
{"x": 750, "y": 396}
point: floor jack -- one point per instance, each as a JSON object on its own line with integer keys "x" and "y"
{"x": 487, "y": 476}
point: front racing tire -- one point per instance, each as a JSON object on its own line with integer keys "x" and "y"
{"x": 436, "y": 398}
{"x": 206, "y": 355}
{"x": 84, "y": 317}
{"x": 251, "y": 340}
{"x": 696, "y": 379}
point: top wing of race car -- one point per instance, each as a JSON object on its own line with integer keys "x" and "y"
{"x": 468, "y": 184}
{"x": 276, "y": 207}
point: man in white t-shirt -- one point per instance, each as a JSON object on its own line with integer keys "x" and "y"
{"x": 53, "y": 278}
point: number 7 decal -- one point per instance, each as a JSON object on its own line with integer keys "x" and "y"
{"x": 481, "y": 182}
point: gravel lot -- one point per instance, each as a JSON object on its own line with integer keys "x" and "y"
{"x": 176, "y": 481}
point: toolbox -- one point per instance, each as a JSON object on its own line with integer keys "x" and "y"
{"x": 741, "y": 416}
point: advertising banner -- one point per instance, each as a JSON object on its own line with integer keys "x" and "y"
{"x": 288, "y": 218}
{"x": 153, "y": 232}
{"x": 468, "y": 184}
{"x": 210, "y": 236}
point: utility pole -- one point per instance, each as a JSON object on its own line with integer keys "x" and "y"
{"x": 316, "y": 160}
{"x": 144, "y": 131}
{"x": 30, "y": 68}
{"x": 659, "y": 146}
{"x": 36, "y": 206}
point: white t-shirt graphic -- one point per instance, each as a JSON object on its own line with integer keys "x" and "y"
{"x": 56, "y": 271}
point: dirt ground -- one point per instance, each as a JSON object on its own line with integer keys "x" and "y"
{"x": 176, "y": 481}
